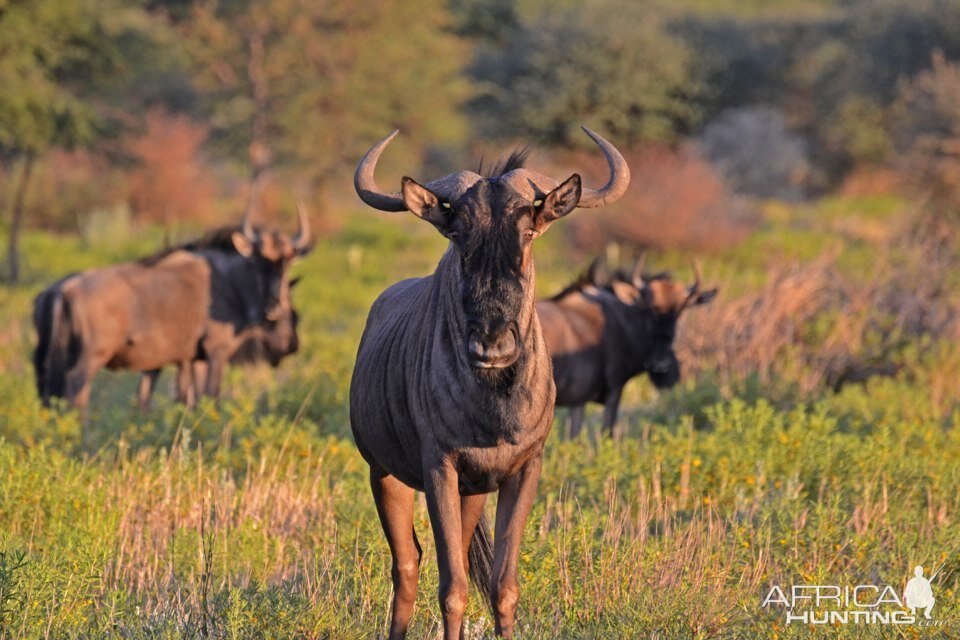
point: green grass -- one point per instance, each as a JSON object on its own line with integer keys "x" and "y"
{"x": 252, "y": 518}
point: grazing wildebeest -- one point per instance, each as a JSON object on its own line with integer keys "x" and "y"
{"x": 452, "y": 393}
{"x": 602, "y": 334}
{"x": 270, "y": 342}
{"x": 197, "y": 299}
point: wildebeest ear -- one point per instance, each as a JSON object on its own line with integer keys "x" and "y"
{"x": 625, "y": 292}
{"x": 704, "y": 297}
{"x": 559, "y": 202}
{"x": 425, "y": 203}
{"x": 242, "y": 244}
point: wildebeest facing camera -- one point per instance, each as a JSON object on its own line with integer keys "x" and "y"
{"x": 452, "y": 392}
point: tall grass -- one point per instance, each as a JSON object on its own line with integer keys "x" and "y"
{"x": 251, "y": 518}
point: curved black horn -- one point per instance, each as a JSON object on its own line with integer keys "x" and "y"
{"x": 636, "y": 276}
{"x": 246, "y": 227}
{"x": 302, "y": 240}
{"x": 531, "y": 184}
{"x": 695, "y": 287}
{"x": 595, "y": 272}
{"x": 619, "y": 175}
{"x": 448, "y": 187}
{"x": 367, "y": 187}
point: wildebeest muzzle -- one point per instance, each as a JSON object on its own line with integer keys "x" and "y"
{"x": 664, "y": 371}
{"x": 493, "y": 348}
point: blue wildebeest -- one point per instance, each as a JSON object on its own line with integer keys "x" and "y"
{"x": 201, "y": 299}
{"x": 452, "y": 393}
{"x": 601, "y": 334}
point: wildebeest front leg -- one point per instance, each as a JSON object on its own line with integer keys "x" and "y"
{"x": 199, "y": 378}
{"x": 214, "y": 375}
{"x": 394, "y": 502}
{"x": 576, "y": 421}
{"x": 148, "y": 382}
{"x": 611, "y": 406}
{"x": 443, "y": 503}
{"x": 184, "y": 382}
{"x": 513, "y": 506}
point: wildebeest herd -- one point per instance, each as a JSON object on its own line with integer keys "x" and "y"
{"x": 200, "y": 302}
{"x": 457, "y": 373}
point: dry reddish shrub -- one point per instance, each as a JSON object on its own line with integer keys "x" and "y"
{"x": 758, "y": 333}
{"x": 812, "y": 324}
{"x": 65, "y": 187}
{"x": 928, "y": 134}
{"x": 871, "y": 180}
{"x": 675, "y": 200}
{"x": 172, "y": 180}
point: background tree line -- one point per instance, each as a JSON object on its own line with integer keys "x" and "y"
{"x": 186, "y": 112}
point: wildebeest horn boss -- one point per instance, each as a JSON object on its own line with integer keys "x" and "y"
{"x": 601, "y": 334}
{"x": 452, "y": 393}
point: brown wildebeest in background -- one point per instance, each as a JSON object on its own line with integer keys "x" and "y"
{"x": 199, "y": 298}
{"x": 602, "y": 334}
{"x": 452, "y": 392}
{"x": 270, "y": 342}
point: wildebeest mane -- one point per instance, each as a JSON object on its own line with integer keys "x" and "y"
{"x": 582, "y": 281}
{"x": 625, "y": 276}
{"x": 220, "y": 238}
{"x": 515, "y": 160}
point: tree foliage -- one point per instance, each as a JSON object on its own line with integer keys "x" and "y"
{"x": 611, "y": 63}
{"x": 52, "y": 55}
{"x": 309, "y": 84}
{"x": 49, "y": 53}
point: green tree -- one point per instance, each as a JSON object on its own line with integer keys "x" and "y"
{"x": 300, "y": 83}
{"x": 52, "y": 54}
{"x": 611, "y": 63}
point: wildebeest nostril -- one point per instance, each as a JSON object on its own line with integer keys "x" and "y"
{"x": 506, "y": 344}
{"x": 475, "y": 345}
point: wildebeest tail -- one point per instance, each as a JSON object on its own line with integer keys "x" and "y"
{"x": 56, "y": 344}
{"x": 480, "y": 559}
